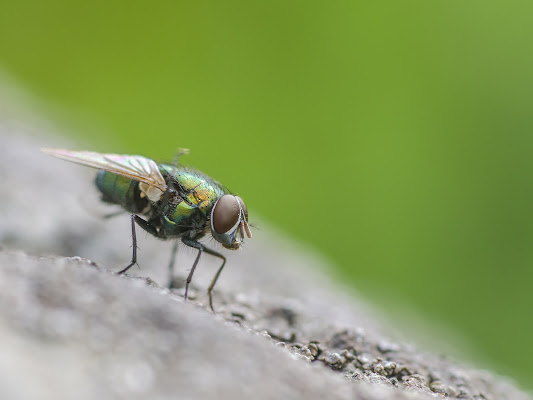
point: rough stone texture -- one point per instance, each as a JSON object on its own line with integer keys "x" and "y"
{"x": 72, "y": 329}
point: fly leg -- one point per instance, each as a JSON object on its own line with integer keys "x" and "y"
{"x": 214, "y": 281}
{"x": 178, "y": 155}
{"x": 148, "y": 228}
{"x": 113, "y": 214}
{"x": 171, "y": 265}
{"x": 201, "y": 248}
{"x": 134, "y": 246}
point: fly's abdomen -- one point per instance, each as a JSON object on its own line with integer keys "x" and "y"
{"x": 120, "y": 190}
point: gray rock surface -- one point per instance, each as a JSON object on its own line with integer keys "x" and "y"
{"x": 70, "y": 328}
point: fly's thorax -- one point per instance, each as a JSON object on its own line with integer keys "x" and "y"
{"x": 196, "y": 188}
{"x": 121, "y": 190}
{"x": 181, "y": 218}
{"x": 188, "y": 203}
{"x": 229, "y": 221}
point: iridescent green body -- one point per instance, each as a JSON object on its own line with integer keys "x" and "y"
{"x": 182, "y": 211}
{"x": 175, "y": 201}
{"x": 120, "y": 190}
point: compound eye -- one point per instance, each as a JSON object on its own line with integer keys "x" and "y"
{"x": 243, "y": 207}
{"x": 226, "y": 213}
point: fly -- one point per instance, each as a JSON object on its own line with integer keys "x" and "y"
{"x": 176, "y": 202}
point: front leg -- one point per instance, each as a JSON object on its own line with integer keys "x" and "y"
{"x": 148, "y": 228}
{"x": 201, "y": 248}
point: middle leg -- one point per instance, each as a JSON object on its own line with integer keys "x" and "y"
{"x": 148, "y": 228}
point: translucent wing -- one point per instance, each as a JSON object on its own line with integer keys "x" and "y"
{"x": 138, "y": 168}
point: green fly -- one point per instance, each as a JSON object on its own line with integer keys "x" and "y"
{"x": 175, "y": 201}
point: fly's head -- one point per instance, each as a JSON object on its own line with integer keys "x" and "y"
{"x": 229, "y": 221}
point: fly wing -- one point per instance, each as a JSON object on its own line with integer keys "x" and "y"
{"x": 138, "y": 168}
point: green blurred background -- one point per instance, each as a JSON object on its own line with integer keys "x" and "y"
{"x": 393, "y": 136}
